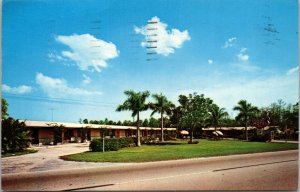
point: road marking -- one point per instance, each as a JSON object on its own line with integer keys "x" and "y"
{"x": 89, "y": 187}
{"x": 253, "y": 165}
{"x": 179, "y": 175}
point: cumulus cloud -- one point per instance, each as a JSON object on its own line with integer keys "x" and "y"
{"x": 210, "y": 61}
{"x": 22, "y": 89}
{"x": 157, "y": 35}
{"x": 230, "y": 42}
{"x": 292, "y": 70}
{"x": 55, "y": 87}
{"x": 242, "y": 56}
{"x": 88, "y": 52}
{"x": 86, "y": 79}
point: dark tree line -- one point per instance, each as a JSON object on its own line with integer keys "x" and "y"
{"x": 150, "y": 122}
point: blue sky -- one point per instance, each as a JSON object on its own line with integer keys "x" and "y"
{"x": 70, "y": 59}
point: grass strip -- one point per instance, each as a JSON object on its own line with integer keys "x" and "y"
{"x": 204, "y": 148}
{"x": 27, "y": 151}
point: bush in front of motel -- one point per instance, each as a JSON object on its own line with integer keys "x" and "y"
{"x": 111, "y": 144}
{"x": 126, "y": 142}
{"x": 260, "y": 137}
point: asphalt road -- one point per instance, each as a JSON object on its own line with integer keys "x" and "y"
{"x": 261, "y": 171}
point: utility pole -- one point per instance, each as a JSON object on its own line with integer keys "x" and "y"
{"x": 52, "y": 109}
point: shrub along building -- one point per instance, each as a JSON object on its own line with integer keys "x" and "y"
{"x": 44, "y": 132}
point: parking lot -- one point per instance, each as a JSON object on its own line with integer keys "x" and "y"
{"x": 47, "y": 158}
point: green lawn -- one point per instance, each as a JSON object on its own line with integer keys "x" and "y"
{"x": 205, "y": 148}
{"x": 19, "y": 153}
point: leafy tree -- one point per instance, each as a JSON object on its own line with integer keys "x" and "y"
{"x": 277, "y": 111}
{"x": 195, "y": 112}
{"x": 153, "y": 122}
{"x": 167, "y": 122}
{"x": 216, "y": 115}
{"x": 85, "y": 121}
{"x": 163, "y": 106}
{"x": 119, "y": 123}
{"x": 246, "y": 112}
{"x": 228, "y": 122}
{"x": 135, "y": 102}
{"x": 58, "y": 130}
{"x": 94, "y": 122}
{"x": 145, "y": 123}
{"x": 4, "y": 108}
{"x": 127, "y": 123}
{"x": 291, "y": 117}
{"x": 175, "y": 116}
{"x": 15, "y": 135}
{"x": 105, "y": 121}
{"x": 110, "y": 122}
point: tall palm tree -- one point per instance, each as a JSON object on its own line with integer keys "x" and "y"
{"x": 216, "y": 114}
{"x": 163, "y": 106}
{"x": 135, "y": 102}
{"x": 246, "y": 111}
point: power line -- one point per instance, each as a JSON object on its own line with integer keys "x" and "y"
{"x": 60, "y": 100}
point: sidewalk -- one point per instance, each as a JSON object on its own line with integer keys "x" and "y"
{"x": 283, "y": 141}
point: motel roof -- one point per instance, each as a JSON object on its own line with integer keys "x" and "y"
{"x": 234, "y": 128}
{"x": 43, "y": 124}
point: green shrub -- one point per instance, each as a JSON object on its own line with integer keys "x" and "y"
{"x": 260, "y": 137}
{"x": 15, "y": 135}
{"x": 149, "y": 139}
{"x": 96, "y": 145}
{"x": 111, "y": 144}
{"x": 126, "y": 142}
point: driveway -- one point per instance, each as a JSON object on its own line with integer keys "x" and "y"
{"x": 47, "y": 158}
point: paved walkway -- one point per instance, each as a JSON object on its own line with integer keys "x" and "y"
{"x": 47, "y": 158}
{"x": 284, "y": 141}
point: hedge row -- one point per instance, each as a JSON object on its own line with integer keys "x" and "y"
{"x": 111, "y": 144}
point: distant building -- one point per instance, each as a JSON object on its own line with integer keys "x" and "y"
{"x": 43, "y": 131}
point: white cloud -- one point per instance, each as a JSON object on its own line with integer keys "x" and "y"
{"x": 243, "y": 50}
{"x": 53, "y": 57}
{"x": 246, "y": 67}
{"x": 23, "y": 89}
{"x": 242, "y": 56}
{"x": 88, "y": 52}
{"x": 55, "y": 87}
{"x": 230, "y": 42}
{"x": 86, "y": 79}
{"x": 292, "y": 70}
{"x": 260, "y": 91}
{"x": 167, "y": 40}
{"x": 210, "y": 61}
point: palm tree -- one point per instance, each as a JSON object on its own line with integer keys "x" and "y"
{"x": 246, "y": 111}
{"x": 162, "y": 105}
{"x": 216, "y": 114}
{"x": 135, "y": 102}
